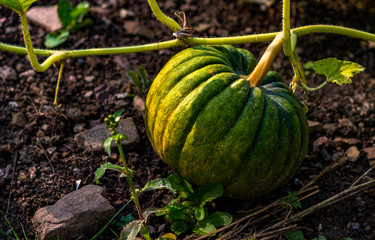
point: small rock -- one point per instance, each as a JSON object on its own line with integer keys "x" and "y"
{"x": 46, "y": 17}
{"x": 79, "y": 127}
{"x": 89, "y": 94}
{"x": 354, "y": 226}
{"x": 330, "y": 127}
{"x": 75, "y": 115}
{"x": 92, "y": 140}
{"x": 315, "y": 126}
{"x": 139, "y": 104}
{"x": 346, "y": 123}
{"x": 319, "y": 142}
{"x": 346, "y": 141}
{"x": 7, "y": 73}
{"x": 124, "y": 13}
{"x": 136, "y": 28}
{"x": 27, "y": 74}
{"x": 13, "y": 104}
{"x": 32, "y": 172}
{"x": 89, "y": 78}
{"x": 370, "y": 152}
{"x": 51, "y": 150}
{"x": 76, "y": 215}
{"x": 202, "y": 27}
{"x": 19, "y": 119}
{"x": 353, "y": 153}
{"x": 22, "y": 176}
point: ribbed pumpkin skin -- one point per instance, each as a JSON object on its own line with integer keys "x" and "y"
{"x": 206, "y": 122}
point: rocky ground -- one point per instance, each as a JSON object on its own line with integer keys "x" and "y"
{"x": 41, "y": 157}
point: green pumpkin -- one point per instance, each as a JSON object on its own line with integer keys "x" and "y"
{"x": 206, "y": 121}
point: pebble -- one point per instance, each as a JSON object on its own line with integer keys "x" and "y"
{"x": 370, "y": 151}
{"x": 32, "y": 172}
{"x": 353, "y": 153}
{"x": 22, "y": 176}
{"x": 89, "y": 94}
{"x": 330, "y": 127}
{"x": 139, "y": 104}
{"x": 45, "y": 16}
{"x": 8, "y": 73}
{"x": 78, "y": 127}
{"x": 75, "y": 115}
{"x": 346, "y": 141}
{"x": 19, "y": 119}
{"x": 315, "y": 126}
{"x": 354, "y": 226}
{"x": 89, "y": 78}
{"x": 138, "y": 29}
{"x": 319, "y": 142}
{"x": 27, "y": 74}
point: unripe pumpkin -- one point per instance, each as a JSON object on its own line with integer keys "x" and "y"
{"x": 205, "y": 120}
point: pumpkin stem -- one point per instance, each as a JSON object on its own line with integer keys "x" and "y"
{"x": 263, "y": 66}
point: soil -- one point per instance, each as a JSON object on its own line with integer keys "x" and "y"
{"x": 40, "y": 162}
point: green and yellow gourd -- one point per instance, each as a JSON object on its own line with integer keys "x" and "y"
{"x": 206, "y": 121}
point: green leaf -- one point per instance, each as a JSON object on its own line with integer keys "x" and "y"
{"x": 157, "y": 184}
{"x": 179, "y": 226}
{"x": 143, "y": 73}
{"x": 292, "y": 200}
{"x": 177, "y": 211}
{"x": 119, "y": 137}
{"x": 117, "y": 115}
{"x": 19, "y": 6}
{"x": 54, "y": 40}
{"x": 80, "y": 10}
{"x": 130, "y": 231}
{"x": 203, "y": 228}
{"x": 106, "y": 166}
{"x": 337, "y": 71}
{"x": 107, "y": 145}
{"x": 219, "y": 219}
{"x": 199, "y": 213}
{"x": 209, "y": 192}
{"x": 179, "y": 184}
{"x": 64, "y": 11}
{"x": 168, "y": 236}
{"x": 297, "y": 235}
{"x": 293, "y": 41}
{"x": 125, "y": 220}
{"x": 133, "y": 76}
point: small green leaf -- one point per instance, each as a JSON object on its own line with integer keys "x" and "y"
{"x": 80, "y": 10}
{"x": 131, "y": 230}
{"x": 199, "y": 213}
{"x": 219, "y": 219}
{"x": 293, "y": 41}
{"x": 19, "y": 6}
{"x": 179, "y": 226}
{"x": 107, "y": 145}
{"x": 143, "y": 73}
{"x": 168, "y": 236}
{"x": 117, "y": 115}
{"x": 133, "y": 76}
{"x": 337, "y": 71}
{"x": 106, "y": 166}
{"x": 177, "y": 211}
{"x": 120, "y": 138}
{"x": 179, "y": 184}
{"x": 54, "y": 40}
{"x": 296, "y": 235}
{"x": 64, "y": 11}
{"x": 204, "y": 228}
{"x": 157, "y": 184}
{"x": 209, "y": 192}
{"x": 293, "y": 200}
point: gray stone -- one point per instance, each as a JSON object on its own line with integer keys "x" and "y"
{"x": 352, "y": 153}
{"x": 19, "y": 119}
{"x": 315, "y": 126}
{"x": 92, "y": 140}
{"x": 136, "y": 28}
{"x": 139, "y": 104}
{"x": 27, "y": 73}
{"x": 76, "y": 215}
{"x": 346, "y": 141}
{"x": 45, "y": 16}
{"x": 370, "y": 151}
{"x": 7, "y": 73}
{"x": 330, "y": 127}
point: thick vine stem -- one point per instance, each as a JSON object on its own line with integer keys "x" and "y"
{"x": 264, "y": 64}
{"x": 55, "y": 56}
{"x": 169, "y": 22}
{"x": 287, "y": 46}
